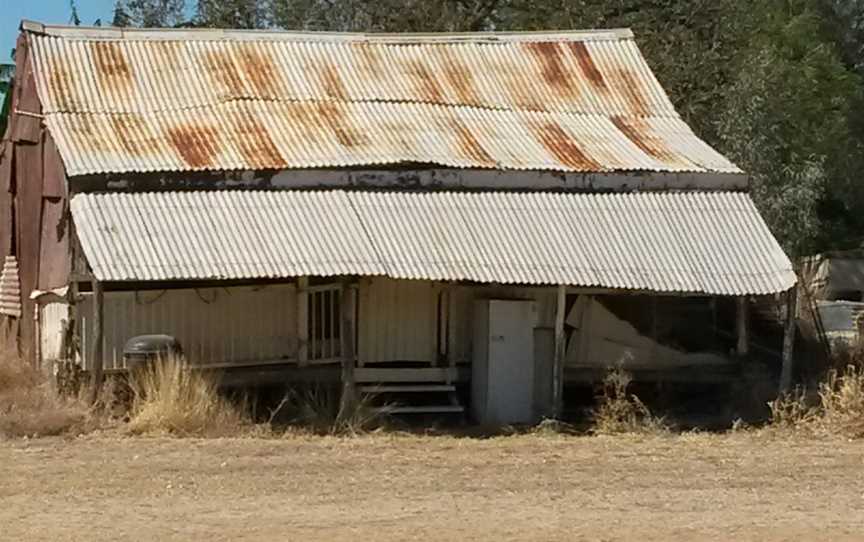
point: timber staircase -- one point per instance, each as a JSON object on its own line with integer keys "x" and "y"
{"x": 409, "y": 391}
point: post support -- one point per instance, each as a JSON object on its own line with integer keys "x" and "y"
{"x": 789, "y": 340}
{"x": 742, "y": 322}
{"x": 558, "y": 365}
{"x": 303, "y": 321}
{"x": 348, "y": 400}
{"x": 97, "y": 333}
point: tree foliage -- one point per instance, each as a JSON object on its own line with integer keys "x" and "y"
{"x": 150, "y": 13}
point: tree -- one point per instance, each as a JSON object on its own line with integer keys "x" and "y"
{"x": 154, "y": 13}
{"x": 7, "y": 73}
{"x": 787, "y": 120}
{"x": 120, "y": 18}
{"x": 384, "y": 15}
{"x": 232, "y": 13}
{"x": 74, "y": 19}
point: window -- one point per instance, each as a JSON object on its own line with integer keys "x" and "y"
{"x": 324, "y": 322}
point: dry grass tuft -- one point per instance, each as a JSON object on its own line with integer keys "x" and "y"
{"x": 842, "y": 402}
{"x": 29, "y": 406}
{"x": 793, "y": 411}
{"x": 316, "y": 409}
{"x": 837, "y": 409}
{"x": 620, "y": 412}
{"x": 171, "y": 398}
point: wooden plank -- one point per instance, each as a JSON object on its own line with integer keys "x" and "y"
{"x": 303, "y": 320}
{"x": 426, "y": 409}
{"x": 97, "y": 364}
{"x": 742, "y": 325}
{"x": 789, "y": 340}
{"x": 407, "y": 388}
{"x": 558, "y": 366}
{"x": 408, "y": 374}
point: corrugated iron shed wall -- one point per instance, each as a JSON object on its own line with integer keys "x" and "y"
{"x": 214, "y": 325}
{"x": 712, "y": 243}
{"x": 120, "y": 101}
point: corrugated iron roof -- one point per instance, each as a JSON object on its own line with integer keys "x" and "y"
{"x": 10, "y": 288}
{"x": 712, "y": 243}
{"x": 158, "y": 100}
{"x": 227, "y": 235}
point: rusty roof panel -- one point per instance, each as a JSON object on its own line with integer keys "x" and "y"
{"x": 119, "y": 101}
{"x": 712, "y": 243}
{"x": 276, "y": 135}
{"x": 125, "y": 76}
{"x": 10, "y": 288}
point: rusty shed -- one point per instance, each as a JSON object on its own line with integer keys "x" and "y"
{"x": 370, "y": 206}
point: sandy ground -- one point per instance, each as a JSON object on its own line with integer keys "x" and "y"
{"x": 383, "y": 487}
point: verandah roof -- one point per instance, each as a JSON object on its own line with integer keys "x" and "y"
{"x": 705, "y": 243}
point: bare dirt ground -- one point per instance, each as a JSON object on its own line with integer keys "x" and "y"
{"x": 740, "y": 486}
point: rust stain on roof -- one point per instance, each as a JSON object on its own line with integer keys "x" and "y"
{"x": 111, "y": 65}
{"x": 259, "y": 70}
{"x": 90, "y": 136}
{"x": 131, "y": 133}
{"x": 222, "y": 69}
{"x": 255, "y": 144}
{"x": 469, "y": 145}
{"x": 169, "y": 53}
{"x": 368, "y": 58}
{"x": 197, "y": 145}
{"x": 565, "y": 148}
{"x": 334, "y": 118}
{"x": 307, "y": 121}
{"x": 638, "y": 131}
{"x": 587, "y": 65}
{"x": 333, "y": 85}
{"x": 61, "y": 86}
{"x": 426, "y": 84}
{"x": 632, "y": 90}
{"x": 554, "y": 72}
{"x": 458, "y": 76}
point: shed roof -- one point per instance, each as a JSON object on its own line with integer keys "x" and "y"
{"x": 120, "y": 100}
{"x": 709, "y": 243}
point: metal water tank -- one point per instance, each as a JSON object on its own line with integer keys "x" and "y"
{"x": 142, "y": 350}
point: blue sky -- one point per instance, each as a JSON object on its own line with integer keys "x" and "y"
{"x": 45, "y": 11}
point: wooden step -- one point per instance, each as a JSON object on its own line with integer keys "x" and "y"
{"x": 376, "y": 375}
{"x": 426, "y": 409}
{"x": 407, "y": 388}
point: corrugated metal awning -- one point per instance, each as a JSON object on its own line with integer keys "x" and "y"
{"x": 711, "y": 243}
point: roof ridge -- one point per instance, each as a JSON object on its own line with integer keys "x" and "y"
{"x": 210, "y": 34}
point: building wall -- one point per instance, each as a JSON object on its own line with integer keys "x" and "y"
{"x": 398, "y": 320}
{"x": 214, "y": 325}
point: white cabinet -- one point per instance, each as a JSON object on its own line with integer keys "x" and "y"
{"x": 502, "y": 384}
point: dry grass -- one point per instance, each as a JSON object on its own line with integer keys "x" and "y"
{"x": 793, "y": 410}
{"x": 29, "y": 406}
{"x": 842, "y": 402}
{"x": 837, "y": 408}
{"x": 171, "y": 398}
{"x": 316, "y": 409}
{"x": 619, "y": 411}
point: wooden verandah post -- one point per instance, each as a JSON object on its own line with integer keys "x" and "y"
{"x": 97, "y": 334}
{"x": 348, "y": 399}
{"x": 558, "y": 365}
{"x": 742, "y": 324}
{"x": 789, "y": 340}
